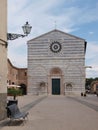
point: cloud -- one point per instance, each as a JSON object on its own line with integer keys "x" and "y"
{"x": 42, "y": 14}
{"x": 18, "y": 59}
{"x": 92, "y": 49}
{"x": 91, "y": 33}
{"x": 91, "y": 59}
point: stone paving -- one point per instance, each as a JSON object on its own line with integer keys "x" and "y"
{"x": 87, "y": 101}
{"x": 59, "y": 113}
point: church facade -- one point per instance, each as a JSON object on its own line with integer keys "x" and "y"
{"x": 56, "y": 64}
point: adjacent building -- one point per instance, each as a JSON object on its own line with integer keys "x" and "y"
{"x": 3, "y": 57}
{"x": 56, "y": 64}
{"x": 94, "y": 87}
{"x": 17, "y": 76}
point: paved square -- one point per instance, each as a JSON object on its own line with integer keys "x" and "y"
{"x": 61, "y": 113}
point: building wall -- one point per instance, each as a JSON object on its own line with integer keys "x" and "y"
{"x": 12, "y": 75}
{"x": 16, "y": 75}
{"x": 68, "y": 64}
{"x": 94, "y": 87}
{"x": 3, "y": 58}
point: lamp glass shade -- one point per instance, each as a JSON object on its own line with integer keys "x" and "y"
{"x": 26, "y": 28}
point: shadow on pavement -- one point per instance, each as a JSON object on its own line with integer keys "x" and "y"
{"x": 13, "y": 123}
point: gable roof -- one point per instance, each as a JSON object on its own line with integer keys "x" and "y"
{"x": 55, "y": 30}
{"x": 64, "y": 33}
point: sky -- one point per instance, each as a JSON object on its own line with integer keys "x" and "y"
{"x": 76, "y": 17}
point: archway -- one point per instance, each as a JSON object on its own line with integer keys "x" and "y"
{"x": 23, "y": 88}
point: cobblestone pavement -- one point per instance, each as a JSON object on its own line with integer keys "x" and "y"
{"x": 61, "y": 113}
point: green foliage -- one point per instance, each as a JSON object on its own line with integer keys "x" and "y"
{"x": 89, "y": 81}
{"x": 14, "y": 92}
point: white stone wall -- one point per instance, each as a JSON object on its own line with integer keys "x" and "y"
{"x": 71, "y": 61}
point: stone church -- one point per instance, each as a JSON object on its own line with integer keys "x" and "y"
{"x": 56, "y": 64}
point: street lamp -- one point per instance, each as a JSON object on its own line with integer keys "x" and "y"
{"x": 26, "y": 29}
{"x": 88, "y": 66}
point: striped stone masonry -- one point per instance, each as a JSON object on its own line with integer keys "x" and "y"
{"x": 56, "y": 55}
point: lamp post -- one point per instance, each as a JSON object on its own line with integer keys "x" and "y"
{"x": 88, "y": 66}
{"x": 26, "y": 29}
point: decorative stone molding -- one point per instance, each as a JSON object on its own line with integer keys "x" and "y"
{"x": 42, "y": 84}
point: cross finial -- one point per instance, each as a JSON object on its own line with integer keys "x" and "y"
{"x": 55, "y": 22}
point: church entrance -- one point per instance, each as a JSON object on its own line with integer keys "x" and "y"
{"x": 55, "y": 82}
{"x": 56, "y": 86}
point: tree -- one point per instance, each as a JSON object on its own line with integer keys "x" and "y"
{"x": 89, "y": 81}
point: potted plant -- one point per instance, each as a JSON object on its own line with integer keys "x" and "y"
{"x": 14, "y": 92}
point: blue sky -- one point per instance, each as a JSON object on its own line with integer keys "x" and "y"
{"x": 77, "y": 17}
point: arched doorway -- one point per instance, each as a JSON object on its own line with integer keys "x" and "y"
{"x": 24, "y": 89}
{"x": 55, "y": 82}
